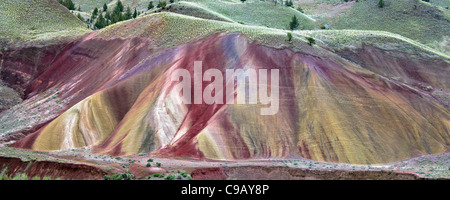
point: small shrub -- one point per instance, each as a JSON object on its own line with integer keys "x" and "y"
{"x": 116, "y": 177}
{"x": 127, "y": 176}
{"x": 311, "y": 41}
{"x": 289, "y": 36}
{"x": 170, "y": 177}
{"x": 80, "y": 17}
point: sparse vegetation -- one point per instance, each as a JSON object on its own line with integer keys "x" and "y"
{"x": 170, "y": 177}
{"x": 399, "y": 17}
{"x": 122, "y": 176}
{"x": 37, "y": 21}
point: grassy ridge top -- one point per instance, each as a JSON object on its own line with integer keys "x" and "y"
{"x": 252, "y": 12}
{"x": 353, "y": 39}
{"x": 442, "y": 3}
{"x": 413, "y": 19}
{"x": 170, "y": 29}
{"x": 27, "y": 20}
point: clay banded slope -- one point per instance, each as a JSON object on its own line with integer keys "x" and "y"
{"x": 331, "y": 109}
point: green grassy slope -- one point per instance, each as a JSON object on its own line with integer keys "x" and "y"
{"x": 197, "y": 10}
{"x": 410, "y": 18}
{"x": 442, "y": 3}
{"x": 169, "y": 29}
{"x": 37, "y": 19}
{"x": 252, "y": 12}
{"x": 353, "y": 39}
{"x": 89, "y": 5}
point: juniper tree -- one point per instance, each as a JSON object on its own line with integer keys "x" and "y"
{"x": 128, "y": 14}
{"x": 162, "y": 4}
{"x": 150, "y": 5}
{"x": 381, "y": 3}
{"x": 107, "y": 15}
{"x": 135, "y": 14}
{"x": 100, "y": 22}
{"x": 95, "y": 13}
{"x": 289, "y": 3}
{"x": 68, "y": 4}
{"x": 294, "y": 23}
{"x": 105, "y": 7}
{"x": 120, "y": 6}
{"x": 80, "y": 17}
{"x": 116, "y": 15}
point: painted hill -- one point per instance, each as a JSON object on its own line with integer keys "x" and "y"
{"x": 111, "y": 91}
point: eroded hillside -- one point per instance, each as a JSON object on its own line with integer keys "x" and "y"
{"x": 111, "y": 91}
